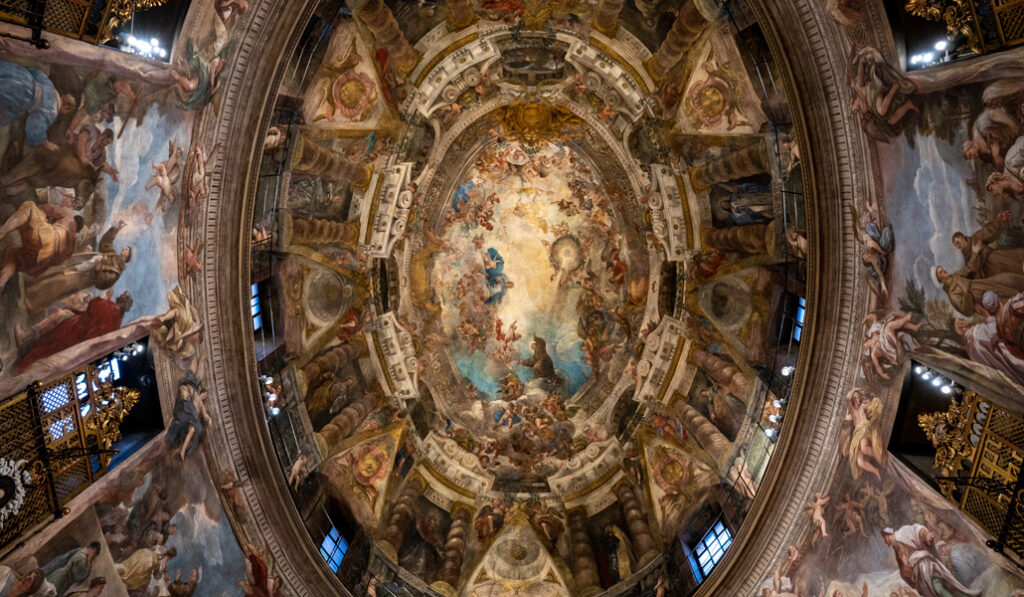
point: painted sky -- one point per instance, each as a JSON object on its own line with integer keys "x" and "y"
{"x": 929, "y": 199}
{"x": 528, "y": 206}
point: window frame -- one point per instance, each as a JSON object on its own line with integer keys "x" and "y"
{"x": 333, "y": 548}
{"x": 705, "y": 556}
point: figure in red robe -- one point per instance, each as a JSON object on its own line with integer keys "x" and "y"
{"x": 101, "y": 316}
{"x": 263, "y": 585}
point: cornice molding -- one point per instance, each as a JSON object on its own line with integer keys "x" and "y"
{"x": 239, "y": 439}
{"x": 811, "y": 54}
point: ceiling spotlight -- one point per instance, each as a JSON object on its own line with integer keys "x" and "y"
{"x": 941, "y": 45}
{"x": 926, "y": 375}
{"x": 775, "y": 418}
{"x": 947, "y": 390}
{"x": 919, "y": 369}
{"x": 777, "y": 403}
{"x": 787, "y": 371}
{"x": 937, "y": 382}
{"x": 771, "y": 433}
{"x": 274, "y": 411}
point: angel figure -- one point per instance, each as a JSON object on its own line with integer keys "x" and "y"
{"x": 797, "y": 242}
{"x": 817, "y": 510}
{"x": 197, "y": 176}
{"x": 258, "y": 581}
{"x": 853, "y": 516}
{"x": 275, "y": 138}
{"x": 863, "y": 445}
{"x": 166, "y": 175}
{"x": 888, "y": 338}
{"x": 191, "y": 258}
{"x": 199, "y": 79}
{"x": 227, "y": 9}
{"x": 882, "y": 95}
{"x": 880, "y": 496}
{"x": 580, "y": 86}
{"x": 607, "y": 113}
{"x": 190, "y": 418}
{"x": 879, "y": 241}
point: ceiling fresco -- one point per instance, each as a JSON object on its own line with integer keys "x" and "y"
{"x": 549, "y": 263}
{"x": 534, "y": 285}
{"x": 528, "y": 282}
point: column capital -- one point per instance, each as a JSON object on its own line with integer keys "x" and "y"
{"x": 711, "y": 10}
{"x": 458, "y": 507}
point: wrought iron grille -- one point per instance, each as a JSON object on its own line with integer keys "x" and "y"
{"x": 988, "y": 441}
{"x": 985, "y": 25}
{"x": 55, "y": 441}
{"x": 80, "y": 19}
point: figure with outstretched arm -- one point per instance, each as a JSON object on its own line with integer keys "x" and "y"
{"x": 47, "y": 239}
{"x": 497, "y": 281}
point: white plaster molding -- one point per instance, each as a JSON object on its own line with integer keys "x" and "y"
{"x": 394, "y": 359}
{"x": 657, "y": 371}
{"x": 667, "y": 218}
{"x": 389, "y": 209}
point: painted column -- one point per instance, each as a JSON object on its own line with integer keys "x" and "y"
{"x": 460, "y": 14}
{"x": 316, "y": 231}
{"x": 606, "y": 16}
{"x": 314, "y": 159}
{"x": 742, "y": 239}
{"x": 347, "y": 421}
{"x": 688, "y": 25}
{"x": 636, "y": 521}
{"x": 584, "y": 566}
{"x": 704, "y": 431}
{"x": 734, "y": 165}
{"x": 401, "y": 517}
{"x": 454, "y": 551}
{"x": 377, "y": 17}
{"x": 723, "y": 373}
{"x": 335, "y": 358}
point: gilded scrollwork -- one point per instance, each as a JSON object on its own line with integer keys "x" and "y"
{"x": 949, "y": 432}
{"x": 956, "y": 14}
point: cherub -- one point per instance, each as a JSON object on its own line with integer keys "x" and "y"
{"x": 166, "y": 175}
{"x": 797, "y": 242}
{"x": 880, "y": 496}
{"x": 226, "y": 9}
{"x": 197, "y": 176}
{"x": 853, "y": 516}
{"x": 607, "y": 113}
{"x": 817, "y": 510}
{"x": 191, "y": 258}
{"x": 580, "y": 87}
{"x": 275, "y": 138}
{"x": 452, "y": 109}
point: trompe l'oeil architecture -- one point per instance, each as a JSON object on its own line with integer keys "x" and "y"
{"x": 513, "y": 297}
